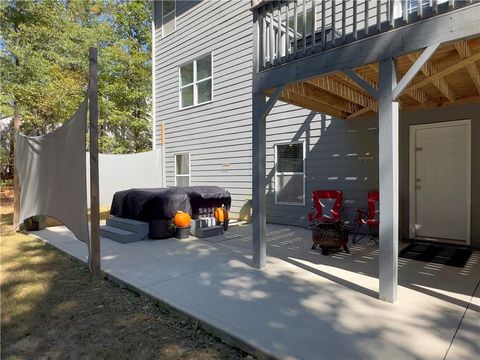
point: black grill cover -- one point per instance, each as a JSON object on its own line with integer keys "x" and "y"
{"x": 163, "y": 203}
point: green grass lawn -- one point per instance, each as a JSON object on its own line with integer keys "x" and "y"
{"x": 50, "y": 309}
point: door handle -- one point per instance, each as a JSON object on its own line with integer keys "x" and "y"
{"x": 418, "y": 187}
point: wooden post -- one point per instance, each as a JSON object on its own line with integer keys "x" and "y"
{"x": 258, "y": 182}
{"x": 259, "y": 129}
{"x": 94, "y": 256}
{"x": 388, "y": 176}
{"x": 16, "y": 183}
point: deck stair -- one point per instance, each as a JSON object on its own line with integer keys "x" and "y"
{"x": 124, "y": 230}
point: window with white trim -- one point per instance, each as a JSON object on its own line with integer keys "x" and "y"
{"x": 182, "y": 169}
{"x": 168, "y": 17}
{"x": 290, "y": 173}
{"x": 196, "y": 82}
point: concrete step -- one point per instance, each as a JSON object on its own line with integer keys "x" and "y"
{"x": 135, "y": 226}
{"x": 120, "y": 235}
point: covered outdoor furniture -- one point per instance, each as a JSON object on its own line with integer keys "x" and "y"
{"x": 369, "y": 218}
{"x": 328, "y": 230}
{"x": 162, "y": 203}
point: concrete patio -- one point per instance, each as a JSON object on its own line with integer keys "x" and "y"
{"x": 304, "y": 305}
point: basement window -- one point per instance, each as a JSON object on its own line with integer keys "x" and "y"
{"x": 196, "y": 82}
{"x": 182, "y": 169}
{"x": 290, "y": 173}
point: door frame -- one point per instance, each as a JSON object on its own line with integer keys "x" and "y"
{"x": 412, "y": 167}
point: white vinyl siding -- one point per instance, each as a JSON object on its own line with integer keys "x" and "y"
{"x": 290, "y": 173}
{"x": 196, "y": 82}
{"x": 182, "y": 169}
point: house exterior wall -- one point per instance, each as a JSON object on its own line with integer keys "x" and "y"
{"x": 219, "y": 132}
{"x": 340, "y": 154}
{"x": 452, "y": 113}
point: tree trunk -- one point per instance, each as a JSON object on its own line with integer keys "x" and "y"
{"x": 16, "y": 185}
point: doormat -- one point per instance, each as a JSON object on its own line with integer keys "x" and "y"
{"x": 438, "y": 254}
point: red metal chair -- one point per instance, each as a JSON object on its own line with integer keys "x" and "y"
{"x": 328, "y": 230}
{"x": 369, "y": 218}
{"x": 326, "y": 206}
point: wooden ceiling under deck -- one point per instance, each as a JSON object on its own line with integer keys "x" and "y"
{"x": 450, "y": 76}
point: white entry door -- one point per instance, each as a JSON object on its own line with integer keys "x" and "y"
{"x": 440, "y": 182}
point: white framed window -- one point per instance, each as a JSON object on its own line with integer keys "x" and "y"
{"x": 182, "y": 169}
{"x": 168, "y": 17}
{"x": 290, "y": 173}
{"x": 195, "y": 82}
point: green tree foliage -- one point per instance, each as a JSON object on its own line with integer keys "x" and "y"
{"x": 125, "y": 85}
{"x": 44, "y": 65}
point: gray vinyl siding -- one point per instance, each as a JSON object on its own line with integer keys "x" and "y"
{"x": 340, "y": 154}
{"x": 218, "y": 132}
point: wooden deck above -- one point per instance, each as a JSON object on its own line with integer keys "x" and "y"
{"x": 451, "y": 76}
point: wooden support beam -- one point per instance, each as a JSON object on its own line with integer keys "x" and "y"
{"x": 94, "y": 259}
{"x": 259, "y": 210}
{"x": 365, "y": 110}
{"x": 344, "y": 77}
{"x": 464, "y": 51}
{"x": 296, "y": 95}
{"x": 271, "y": 101}
{"x": 416, "y": 94}
{"x": 260, "y": 110}
{"x": 335, "y": 87}
{"x": 388, "y": 181}
{"x": 360, "y": 80}
{"x": 428, "y": 69}
{"x": 475, "y": 99}
{"x": 459, "y": 65}
{"x": 417, "y": 66}
{"x": 324, "y": 97}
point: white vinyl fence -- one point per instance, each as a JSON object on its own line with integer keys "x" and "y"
{"x": 122, "y": 172}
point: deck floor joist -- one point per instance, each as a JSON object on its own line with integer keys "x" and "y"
{"x": 450, "y": 76}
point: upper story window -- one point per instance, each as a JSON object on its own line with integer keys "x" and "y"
{"x": 196, "y": 82}
{"x": 168, "y": 17}
{"x": 290, "y": 173}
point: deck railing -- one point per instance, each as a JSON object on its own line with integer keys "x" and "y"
{"x": 296, "y": 28}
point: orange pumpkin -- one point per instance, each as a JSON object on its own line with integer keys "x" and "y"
{"x": 182, "y": 219}
{"x": 221, "y": 214}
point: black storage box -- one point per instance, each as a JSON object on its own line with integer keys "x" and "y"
{"x": 182, "y": 233}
